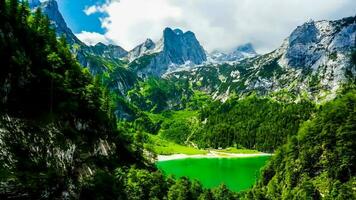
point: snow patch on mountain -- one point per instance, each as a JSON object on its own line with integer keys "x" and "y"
{"x": 239, "y": 53}
{"x": 313, "y": 62}
{"x": 176, "y": 50}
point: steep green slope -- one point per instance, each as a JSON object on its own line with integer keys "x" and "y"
{"x": 253, "y": 122}
{"x": 157, "y": 95}
{"x": 58, "y": 135}
{"x": 55, "y": 127}
{"x": 318, "y": 163}
{"x": 315, "y": 61}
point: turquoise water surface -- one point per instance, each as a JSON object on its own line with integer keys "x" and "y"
{"x": 236, "y": 173}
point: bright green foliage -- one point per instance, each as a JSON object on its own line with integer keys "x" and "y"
{"x": 156, "y": 95}
{"x": 53, "y": 113}
{"x": 161, "y": 146}
{"x": 136, "y": 184}
{"x": 253, "y": 122}
{"x": 223, "y": 193}
{"x": 142, "y": 184}
{"x": 206, "y": 195}
{"x": 177, "y": 126}
{"x": 180, "y": 190}
{"x": 51, "y": 106}
{"x": 58, "y": 132}
{"x": 318, "y": 163}
{"x": 183, "y": 189}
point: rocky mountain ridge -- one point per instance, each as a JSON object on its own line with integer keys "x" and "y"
{"x": 109, "y": 51}
{"x": 50, "y": 8}
{"x": 314, "y": 62}
{"x": 99, "y": 59}
{"x": 237, "y": 54}
{"x": 140, "y": 50}
{"x": 175, "y": 49}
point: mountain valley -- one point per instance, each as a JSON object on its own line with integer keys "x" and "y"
{"x": 87, "y": 122}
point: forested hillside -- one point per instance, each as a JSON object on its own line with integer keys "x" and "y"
{"x": 55, "y": 125}
{"x": 58, "y": 136}
{"x": 318, "y": 163}
{"x": 254, "y": 122}
{"x": 69, "y": 131}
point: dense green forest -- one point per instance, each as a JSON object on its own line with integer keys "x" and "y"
{"x": 59, "y": 137}
{"x": 65, "y": 133}
{"x": 253, "y": 122}
{"x": 158, "y": 95}
{"x": 319, "y": 162}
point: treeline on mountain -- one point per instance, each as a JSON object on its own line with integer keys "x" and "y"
{"x": 54, "y": 114}
{"x": 59, "y": 137}
{"x": 156, "y": 95}
{"x": 319, "y": 162}
{"x": 253, "y": 122}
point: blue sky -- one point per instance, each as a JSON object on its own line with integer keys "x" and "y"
{"x": 77, "y": 20}
{"x": 218, "y": 24}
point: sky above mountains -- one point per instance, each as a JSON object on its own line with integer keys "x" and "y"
{"x": 218, "y": 24}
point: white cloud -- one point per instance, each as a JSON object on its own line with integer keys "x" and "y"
{"x": 91, "y": 10}
{"x": 92, "y": 38}
{"x": 218, "y": 24}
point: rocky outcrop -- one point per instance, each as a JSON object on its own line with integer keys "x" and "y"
{"x": 50, "y": 8}
{"x": 179, "y": 47}
{"x": 99, "y": 58}
{"x": 108, "y": 51}
{"x": 310, "y": 42}
{"x": 175, "y": 49}
{"x": 239, "y": 53}
{"x": 314, "y": 62}
{"x": 145, "y": 48}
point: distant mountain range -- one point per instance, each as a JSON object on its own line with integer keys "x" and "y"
{"x": 314, "y": 61}
{"x": 174, "y": 49}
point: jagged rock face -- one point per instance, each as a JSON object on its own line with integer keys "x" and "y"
{"x": 309, "y": 42}
{"x": 174, "y": 50}
{"x": 50, "y": 8}
{"x": 31, "y": 147}
{"x": 314, "y": 62}
{"x": 239, "y": 53}
{"x": 181, "y": 47}
{"x": 95, "y": 58}
{"x": 344, "y": 40}
{"x": 301, "y": 44}
{"x": 109, "y": 51}
{"x": 142, "y": 49}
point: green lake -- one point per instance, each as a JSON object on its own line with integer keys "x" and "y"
{"x": 236, "y": 173}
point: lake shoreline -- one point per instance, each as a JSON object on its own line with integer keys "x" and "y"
{"x": 211, "y": 154}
